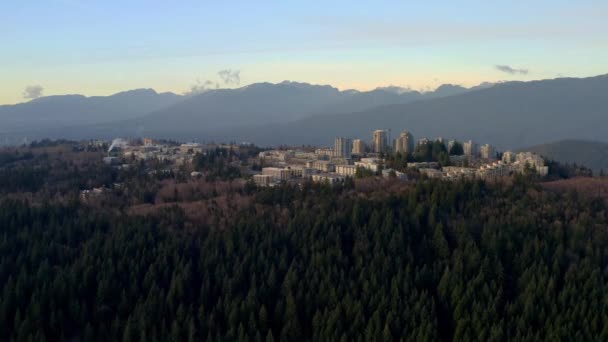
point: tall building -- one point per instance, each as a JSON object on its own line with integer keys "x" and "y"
{"x": 451, "y": 144}
{"x": 470, "y": 148}
{"x": 358, "y": 146}
{"x": 343, "y": 147}
{"x": 405, "y": 143}
{"x": 380, "y": 141}
{"x": 487, "y": 151}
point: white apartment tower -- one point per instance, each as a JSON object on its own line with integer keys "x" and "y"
{"x": 405, "y": 143}
{"x": 470, "y": 148}
{"x": 380, "y": 141}
{"x": 358, "y": 146}
{"x": 487, "y": 151}
{"x": 343, "y": 147}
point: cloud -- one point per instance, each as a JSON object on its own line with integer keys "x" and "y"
{"x": 33, "y": 92}
{"x": 511, "y": 70}
{"x": 201, "y": 87}
{"x": 230, "y": 77}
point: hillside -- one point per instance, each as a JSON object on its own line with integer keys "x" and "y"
{"x": 592, "y": 154}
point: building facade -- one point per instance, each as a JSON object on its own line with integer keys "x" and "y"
{"x": 470, "y": 148}
{"x": 405, "y": 143}
{"x": 379, "y": 141}
{"x": 346, "y": 170}
{"x": 358, "y": 147}
{"x": 343, "y": 147}
{"x": 487, "y": 151}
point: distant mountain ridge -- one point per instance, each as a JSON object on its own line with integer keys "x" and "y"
{"x": 69, "y": 110}
{"x": 145, "y": 110}
{"x": 508, "y": 115}
{"x": 592, "y": 154}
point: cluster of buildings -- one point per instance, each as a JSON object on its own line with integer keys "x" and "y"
{"x": 510, "y": 163}
{"x": 330, "y": 165}
{"x": 119, "y": 154}
{"x": 348, "y": 156}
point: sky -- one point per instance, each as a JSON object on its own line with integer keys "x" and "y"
{"x": 97, "y": 47}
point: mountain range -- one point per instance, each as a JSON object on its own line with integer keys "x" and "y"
{"x": 509, "y": 115}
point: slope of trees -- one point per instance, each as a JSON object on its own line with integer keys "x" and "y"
{"x": 440, "y": 261}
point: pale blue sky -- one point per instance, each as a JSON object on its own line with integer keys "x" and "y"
{"x": 102, "y": 47}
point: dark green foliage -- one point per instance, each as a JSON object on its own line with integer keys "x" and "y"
{"x": 566, "y": 170}
{"x": 432, "y": 151}
{"x": 441, "y": 261}
{"x": 457, "y": 149}
{"x": 217, "y": 164}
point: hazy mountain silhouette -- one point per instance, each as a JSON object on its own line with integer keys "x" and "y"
{"x": 509, "y": 115}
{"x": 267, "y": 103}
{"x": 145, "y": 110}
{"x": 69, "y": 110}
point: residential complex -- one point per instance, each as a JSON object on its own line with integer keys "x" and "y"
{"x": 345, "y": 159}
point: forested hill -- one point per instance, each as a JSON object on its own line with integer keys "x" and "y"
{"x": 434, "y": 261}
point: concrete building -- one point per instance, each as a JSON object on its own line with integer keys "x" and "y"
{"x": 380, "y": 141}
{"x": 343, "y": 147}
{"x": 358, "y": 147}
{"x": 387, "y": 173}
{"x": 282, "y": 174}
{"x": 372, "y": 164}
{"x": 487, "y": 152}
{"x": 405, "y": 143}
{"x": 324, "y": 153}
{"x": 346, "y": 170}
{"x": 191, "y": 148}
{"x": 432, "y": 173}
{"x": 321, "y": 165}
{"x": 325, "y": 177}
{"x": 508, "y": 157}
{"x": 263, "y": 180}
{"x": 470, "y": 148}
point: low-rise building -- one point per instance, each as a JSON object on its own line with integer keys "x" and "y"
{"x": 326, "y": 177}
{"x": 431, "y": 173}
{"x": 372, "y": 164}
{"x": 263, "y": 180}
{"x": 321, "y": 165}
{"x": 283, "y": 174}
{"x": 346, "y": 170}
{"x": 390, "y": 172}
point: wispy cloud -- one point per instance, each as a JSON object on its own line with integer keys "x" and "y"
{"x": 201, "y": 87}
{"x": 510, "y": 70}
{"x": 33, "y": 92}
{"x": 230, "y": 77}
